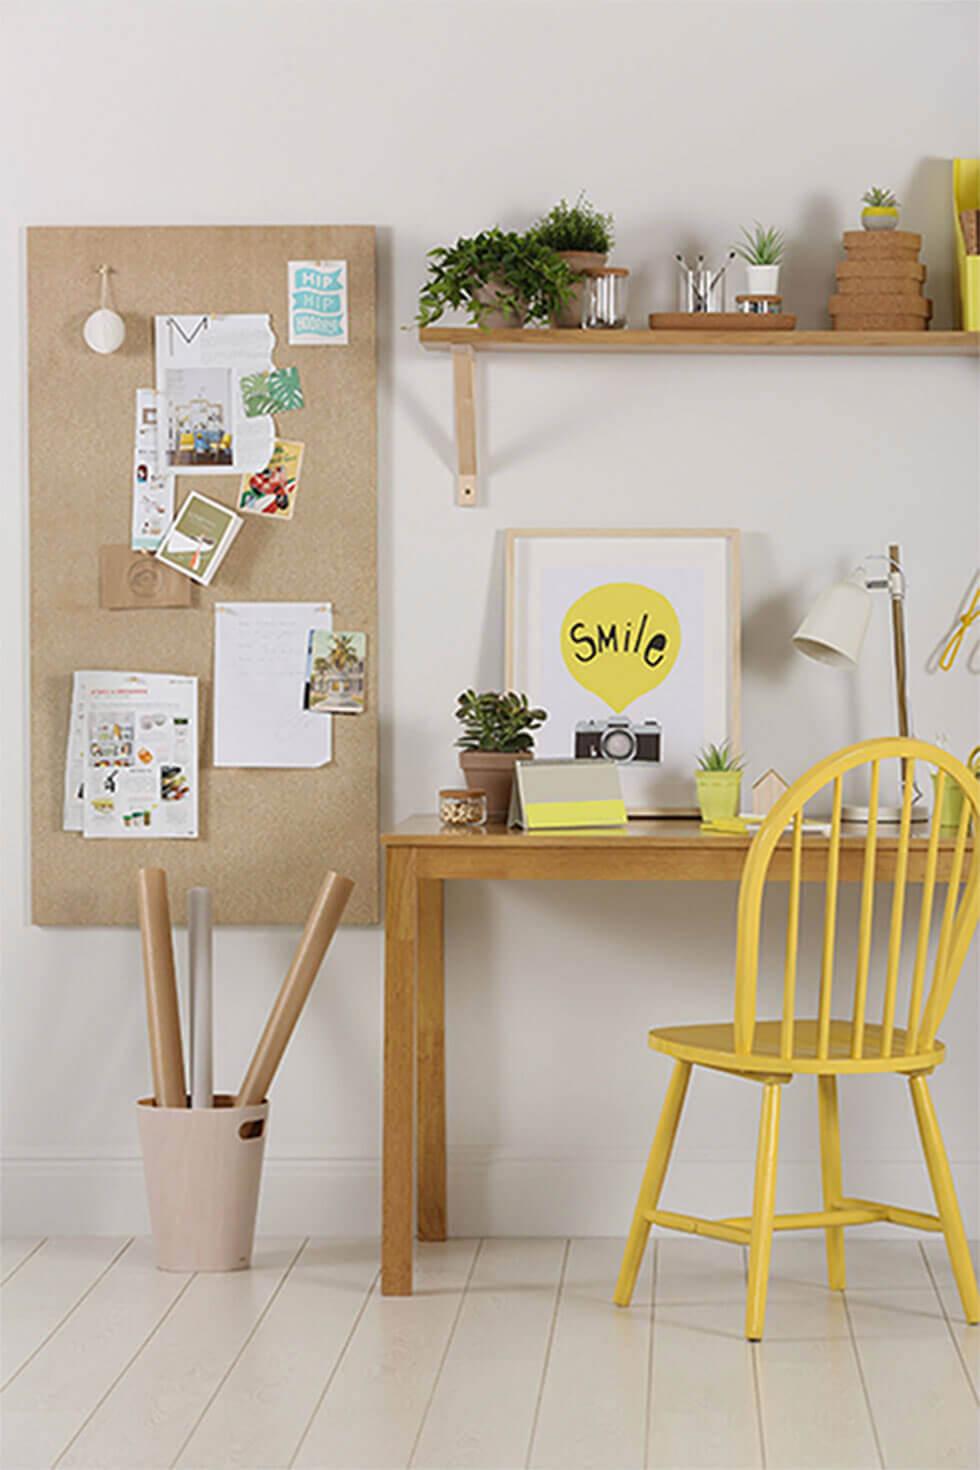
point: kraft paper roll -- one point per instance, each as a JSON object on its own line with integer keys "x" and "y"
{"x": 162, "y": 1012}
{"x": 200, "y": 950}
{"x": 321, "y": 924}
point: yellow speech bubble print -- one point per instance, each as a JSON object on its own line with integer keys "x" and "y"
{"x": 620, "y": 641}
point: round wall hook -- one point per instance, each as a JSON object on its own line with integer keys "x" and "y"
{"x": 104, "y": 330}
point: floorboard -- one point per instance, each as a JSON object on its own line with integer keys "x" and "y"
{"x": 152, "y": 1410}
{"x": 371, "y": 1413}
{"x": 44, "y": 1290}
{"x": 260, "y": 1411}
{"x": 482, "y": 1411}
{"x": 50, "y": 1399}
{"x": 593, "y": 1409}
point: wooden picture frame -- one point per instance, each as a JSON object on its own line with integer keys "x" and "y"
{"x": 690, "y": 593}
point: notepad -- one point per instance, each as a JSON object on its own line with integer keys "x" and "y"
{"x": 259, "y": 682}
{"x": 555, "y": 794}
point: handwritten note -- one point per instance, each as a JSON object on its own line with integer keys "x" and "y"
{"x": 259, "y": 681}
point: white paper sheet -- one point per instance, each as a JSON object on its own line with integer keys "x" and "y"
{"x": 259, "y": 679}
{"x": 153, "y": 492}
{"x": 200, "y": 363}
{"x": 318, "y": 303}
{"x": 133, "y": 738}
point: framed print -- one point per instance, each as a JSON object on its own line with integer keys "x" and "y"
{"x": 630, "y": 639}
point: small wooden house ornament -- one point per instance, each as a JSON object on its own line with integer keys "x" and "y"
{"x": 767, "y": 791}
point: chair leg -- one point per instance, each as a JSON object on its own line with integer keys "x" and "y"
{"x": 763, "y": 1210}
{"x": 946, "y": 1203}
{"x": 653, "y": 1180}
{"x": 830, "y": 1169}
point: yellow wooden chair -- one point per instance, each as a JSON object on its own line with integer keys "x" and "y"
{"x": 773, "y": 1052}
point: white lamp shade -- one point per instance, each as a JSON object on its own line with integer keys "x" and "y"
{"x": 833, "y": 630}
{"x": 104, "y": 330}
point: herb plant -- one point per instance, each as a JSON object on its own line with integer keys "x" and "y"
{"x": 530, "y": 279}
{"x": 578, "y": 226}
{"x": 719, "y": 758}
{"x": 497, "y": 722}
{"x": 760, "y": 246}
{"x": 879, "y": 198}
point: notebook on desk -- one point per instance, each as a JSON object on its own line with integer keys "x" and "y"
{"x": 550, "y": 794}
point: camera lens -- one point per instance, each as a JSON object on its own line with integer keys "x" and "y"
{"x": 618, "y": 744}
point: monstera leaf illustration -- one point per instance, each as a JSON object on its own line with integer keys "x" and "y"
{"x": 285, "y": 389}
{"x": 257, "y": 395}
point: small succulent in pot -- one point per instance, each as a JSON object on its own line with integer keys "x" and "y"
{"x": 762, "y": 250}
{"x": 497, "y": 733}
{"x": 583, "y": 237}
{"x": 719, "y": 782}
{"x": 501, "y": 278}
{"x": 880, "y": 210}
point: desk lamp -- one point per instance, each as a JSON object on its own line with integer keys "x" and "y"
{"x": 833, "y": 633}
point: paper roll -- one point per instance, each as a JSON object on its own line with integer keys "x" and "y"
{"x": 200, "y": 951}
{"x": 325, "y": 915}
{"x": 162, "y": 1011}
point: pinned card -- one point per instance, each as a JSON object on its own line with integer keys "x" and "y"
{"x": 272, "y": 491}
{"x": 318, "y": 303}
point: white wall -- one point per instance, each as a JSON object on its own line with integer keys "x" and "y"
{"x": 432, "y": 120}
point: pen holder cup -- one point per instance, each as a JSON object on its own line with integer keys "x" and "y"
{"x": 203, "y": 1168}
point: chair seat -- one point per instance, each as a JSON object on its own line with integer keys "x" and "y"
{"x": 713, "y": 1045}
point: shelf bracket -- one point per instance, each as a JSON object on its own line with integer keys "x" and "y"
{"x": 464, "y": 381}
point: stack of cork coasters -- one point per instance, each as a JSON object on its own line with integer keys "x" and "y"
{"x": 879, "y": 285}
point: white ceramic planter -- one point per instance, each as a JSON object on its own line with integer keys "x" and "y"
{"x": 763, "y": 280}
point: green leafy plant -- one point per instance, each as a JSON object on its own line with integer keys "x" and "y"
{"x": 498, "y": 722}
{"x": 879, "y": 198}
{"x": 760, "y": 246}
{"x": 530, "y": 279}
{"x": 578, "y": 226}
{"x": 719, "y": 758}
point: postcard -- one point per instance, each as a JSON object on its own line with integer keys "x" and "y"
{"x": 132, "y": 768}
{"x": 272, "y": 491}
{"x": 198, "y": 541}
{"x": 318, "y": 303}
{"x": 153, "y": 491}
{"x": 259, "y": 668}
{"x": 277, "y": 391}
{"x": 336, "y": 665}
{"x": 201, "y": 364}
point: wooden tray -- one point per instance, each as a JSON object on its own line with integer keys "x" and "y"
{"x": 719, "y": 321}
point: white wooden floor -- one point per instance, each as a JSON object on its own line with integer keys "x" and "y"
{"x": 509, "y": 1355}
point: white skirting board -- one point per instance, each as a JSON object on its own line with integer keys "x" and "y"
{"x": 488, "y": 1194}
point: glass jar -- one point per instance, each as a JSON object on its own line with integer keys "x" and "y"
{"x": 460, "y": 807}
{"x": 604, "y": 298}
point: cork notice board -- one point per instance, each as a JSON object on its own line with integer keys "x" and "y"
{"x": 267, "y": 836}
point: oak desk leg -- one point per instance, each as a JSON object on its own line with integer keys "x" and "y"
{"x": 401, "y": 942}
{"x": 431, "y": 1063}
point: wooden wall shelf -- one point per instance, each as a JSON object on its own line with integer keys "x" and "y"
{"x": 465, "y": 342}
{"x": 534, "y": 339}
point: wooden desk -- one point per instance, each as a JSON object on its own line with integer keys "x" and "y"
{"x": 421, "y": 855}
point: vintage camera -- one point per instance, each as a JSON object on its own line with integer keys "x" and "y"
{"x": 618, "y": 739}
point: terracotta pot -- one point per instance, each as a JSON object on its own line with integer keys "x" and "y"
{"x": 491, "y": 771}
{"x": 584, "y": 262}
{"x": 497, "y": 317}
{"x": 718, "y": 794}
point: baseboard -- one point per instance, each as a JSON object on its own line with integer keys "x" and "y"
{"x": 488, "y": 1194}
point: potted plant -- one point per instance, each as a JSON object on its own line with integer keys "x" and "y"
{"x": 496, "y": 735}
{"x": 583, "y": 238}
{"x": 501, "y": 278}
{"x": 880, "y": 210}
{"x": 762, "y": 250}
{"x": 719, "y": 782}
